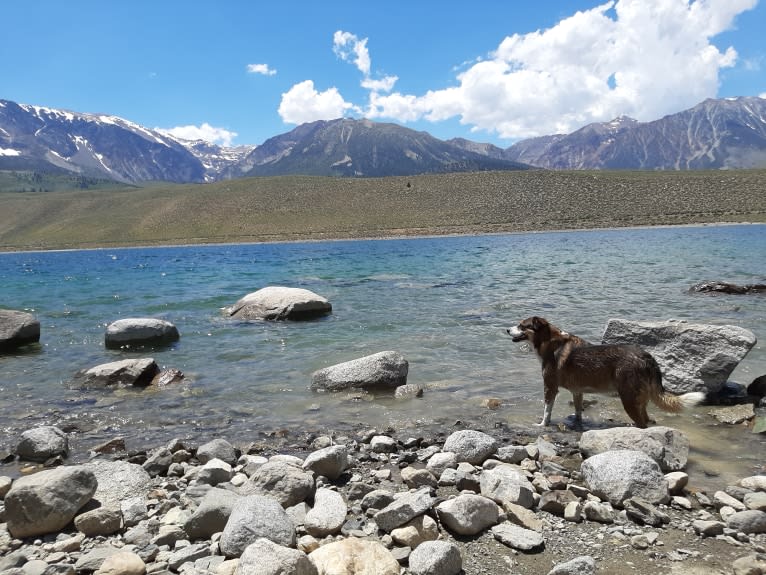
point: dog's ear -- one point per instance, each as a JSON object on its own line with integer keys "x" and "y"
{"x": 539, "y": 323}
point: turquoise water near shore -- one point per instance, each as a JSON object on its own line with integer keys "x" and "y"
{"x": 442, "y": 302}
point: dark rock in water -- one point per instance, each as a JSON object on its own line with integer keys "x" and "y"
{"x": 280, "y": 303}
{"x": 17, "y": 328}
{"x": 757, "y": 387}
{"x": 168, "y": 377}
{"x": 42, "y": 443}
{"x": 140, "y": 331}
{"x": 135, "y": 372}
{"x": 727, "y": 288}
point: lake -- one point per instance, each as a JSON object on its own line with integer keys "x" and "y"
{"x": 444, "y": 303}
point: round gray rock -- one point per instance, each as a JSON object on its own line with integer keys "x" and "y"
{"x": 140, "y": 331}
{"x": 328, "y": 514}
{"x": 253, "y": 517}
{"x": 750, "y": 521}
{"x": 217, "y": 449}
{"x": 17, "y": 328}
{"x": 280, "y": 303}
{"x": 619, "y": 475}
{"x": 329, "y": 461}
{"x": 436, "y": 558}
{"x": 386, "y": 369}
{"x": 287, "y": 483}
{"x": 471, "y": 446}
{"x": 42, "y": 443}
{"x": 468, "y": 514}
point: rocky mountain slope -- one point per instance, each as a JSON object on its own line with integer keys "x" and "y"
{"x": 716, "y": 134}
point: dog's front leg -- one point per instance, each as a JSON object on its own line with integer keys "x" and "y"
{"x": 577, "y": 399}
{"x": 550, "y": 391}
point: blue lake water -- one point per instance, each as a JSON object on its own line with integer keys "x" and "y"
{"x": 444, "y": 303}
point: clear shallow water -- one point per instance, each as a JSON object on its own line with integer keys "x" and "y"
{"x": 442, "y": 302}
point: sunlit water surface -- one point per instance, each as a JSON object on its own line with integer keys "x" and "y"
{"x": 444, "y": 303}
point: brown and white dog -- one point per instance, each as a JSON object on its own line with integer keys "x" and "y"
{"x": 572, "y": 363}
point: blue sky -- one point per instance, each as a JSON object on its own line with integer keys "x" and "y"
{"x": 239, "y": 72}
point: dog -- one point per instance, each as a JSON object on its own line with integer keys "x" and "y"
{"x": 574, "y": 364}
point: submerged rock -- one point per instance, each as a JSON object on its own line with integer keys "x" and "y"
{"x": 280, "y": 303}
{"x": 127, "y": 372}
{"x": 386, "y": 369}
{"x": 140, "y": 331}
{"x": 727, "y": 288}
{"x": 693, "y": 357}
{"x": 42, "y": 443}
{"x": 17, "y": 328}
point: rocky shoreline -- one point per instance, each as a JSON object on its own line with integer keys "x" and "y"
{"x": 472, "y": 501}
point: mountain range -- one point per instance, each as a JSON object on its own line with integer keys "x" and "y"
{"x": 716, "y": 134}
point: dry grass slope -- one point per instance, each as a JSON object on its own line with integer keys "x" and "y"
{"x": 302, "y": 208}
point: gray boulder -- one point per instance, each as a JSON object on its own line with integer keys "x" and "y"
{"x": 693, "y": 357}
{"x": 619, "y": 475}
{"x": 212, "y": 514}
{"x": 328, "y": 514}
{"x": 471, "y": 446}
{"x": 267, "y": 558}
{"x": 42, "y": 443}
{"x": 253, "y": 517}
{"x": 329, "y": 461}
{"x": 287, "y": 483}
{"x": 280, "y": 303}
{"x": 749, "y": 521}
{"x": 468, "y": 514}
{"x": 123, "y": 373}
{"x": 506, "y": 484}
{"x": 386, "y": 369}
{"x": 217, "y": 449}
{"x": 140, "y": 331}
{"x": 436, "y": 558}
{"x": 667, "y": 446}
{"x": 17, "y": 328}
{"x": 404, "y": 508}
{"x": 47, "y": 501}
{"x": 583, "y": 565}
{"x": 118, "y": 481}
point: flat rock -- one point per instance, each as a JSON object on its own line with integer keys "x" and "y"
{"x": 518, "y": 537}
{"x": 280, "y": 303}
{"x": 693, "y": 357}
{"x": 667, "y": 446}
{"x": 507, "y": 484}
{"x": 123, "y": 373}
{"x": 404, "y": 508}
{"x": 17, "y": 328}
{"x": 733, "y": 414}
{"x": 583, "y": 565}
{"x": 140, "y": 331}
{"x": 618, "y": 475}
{"x": 383, "y": 370}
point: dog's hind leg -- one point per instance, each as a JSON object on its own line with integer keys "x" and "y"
{"x": 635, "y": 411}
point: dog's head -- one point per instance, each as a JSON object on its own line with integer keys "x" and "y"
{"x": 531, "y": 329}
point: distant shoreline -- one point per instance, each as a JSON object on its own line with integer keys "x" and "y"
{"x": 306, "y": 209}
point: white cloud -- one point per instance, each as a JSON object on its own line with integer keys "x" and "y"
{"x": 763, "y": 95}
{"x": 303, "y": 103}
{"x": 641, "y": 58}
{"x": 206, "y": 132}
{"x": 263, "y": 69}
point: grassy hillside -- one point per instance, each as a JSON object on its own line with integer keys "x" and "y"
{"x": 298, "y": 208}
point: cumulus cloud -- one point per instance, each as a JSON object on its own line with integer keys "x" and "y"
{"x": 641, "y": 58}
{"x": 206, "y": 132}
{"x": 304, "y": 103}
{"x": 263, "y": 69}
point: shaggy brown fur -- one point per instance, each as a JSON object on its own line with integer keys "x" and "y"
{"x": 572, "y": 363}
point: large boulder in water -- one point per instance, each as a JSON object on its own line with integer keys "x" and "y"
{"x": 140, "y": 331}
{"x": 42, "y": 443}
{"x": 692, "y": 357}
{"x": 17, "y": 328}
{"x": 279, "y": 303}
{"x": 124, "y": 373}
{"x": 386, "y": 369}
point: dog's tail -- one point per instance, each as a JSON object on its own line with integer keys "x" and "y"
{"x": 676, "y": 403}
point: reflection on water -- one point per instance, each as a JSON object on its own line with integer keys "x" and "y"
{"x": 442, "y": 302}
